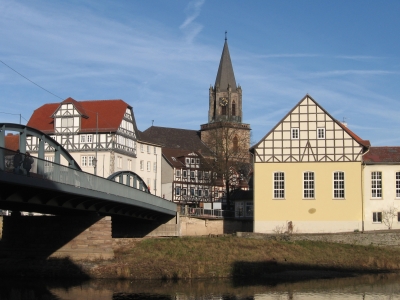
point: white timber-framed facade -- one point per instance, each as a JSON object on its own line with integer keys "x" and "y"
{"x": 101, "y": 135}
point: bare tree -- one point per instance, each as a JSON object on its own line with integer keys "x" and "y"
{"x": 231, "y": 161}
{"x": 388, "y": 216}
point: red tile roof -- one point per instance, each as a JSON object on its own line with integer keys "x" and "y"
{"x": 382, "y": 155}
{"x": 109, "y": 112}
{"x": 364, "y": 143}
{"x": 12, "y": 141}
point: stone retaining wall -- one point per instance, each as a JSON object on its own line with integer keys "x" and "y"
{"x": 376, "y": 238}
{"x": 56, "y": 236}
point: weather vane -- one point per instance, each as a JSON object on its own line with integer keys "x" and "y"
{"x": 226, "y": 32}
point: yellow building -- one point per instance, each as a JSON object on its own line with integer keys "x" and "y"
{"x": 307, "y": 174}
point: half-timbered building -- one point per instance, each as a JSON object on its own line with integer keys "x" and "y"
{"x": 101, "y": 135}
{"x": 187, "y": 178}
{"x": 307, "y": 173}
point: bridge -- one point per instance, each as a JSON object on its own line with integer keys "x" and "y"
{"x": 53, "y": 188}
{"x": 65, "y": 191}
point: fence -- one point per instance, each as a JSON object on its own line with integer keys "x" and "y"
{"x": 206, "y": 213}
{"x": 52, "y": 171}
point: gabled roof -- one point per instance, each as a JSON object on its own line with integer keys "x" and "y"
{"x": 76, "y": 104}
{"x": 225, "y": 75}
{"x": 100, "y": 115}
{"x": 176, "y": 138}
{"x": 364, "y": 143}
{"x": 172, "y": 156}
{"x": 382, "y": 155}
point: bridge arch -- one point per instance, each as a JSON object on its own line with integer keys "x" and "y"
{"x": 131, "y": 179}
{"x": 42, "y": 139}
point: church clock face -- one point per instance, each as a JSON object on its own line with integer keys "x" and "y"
{"x": 223, "y": 101}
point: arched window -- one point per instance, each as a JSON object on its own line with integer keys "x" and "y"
{"x": 235, "y": 144}
{"x": 234, "y": 108}
{"x": 223, "y": 110}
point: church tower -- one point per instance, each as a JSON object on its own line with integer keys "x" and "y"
{"x": 225, "y": 107}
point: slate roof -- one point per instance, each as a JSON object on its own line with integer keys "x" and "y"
{"x": 176, "y": 138}
{"x": 382, "y": 155}
{"x": 110, "y": 114}
{"x": 225, "y": 75}
{"x": 170, "y": 153}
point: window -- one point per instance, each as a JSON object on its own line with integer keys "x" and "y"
{"x": 233, "y": 108}
{"x": 83, "y": 138}
{"x": 129, "y": 164}
{"x": 89, "y": 138}
{"x": 148, "y": 166}
{"x": 183, "y": 192}
{"x": 338, "y": 185}
{"x": 192, "y": 161}
{"x": 192, "y": 174}
{"x": 279, "y": 185}
{"x": 398, "y": 216}
{"x": 321, "y": 133}
{"x": 197, "y": 160}
{"x": 155, "y": 150}
{"x": 178, "y": 173}
{"x": 184, "y": 173}
{"x": 155, "y": 167}
{"x": 84, "y": 161}
{"x": 206, "y": 192}
{"x": 376, "y": 184}
{"x": 141, "y": 148}
{"x": 192, "y": 192}
{"x": 178, "y": 191}
{"x": 148, "y": 149}
{"x": 235, "y": 144}
{"x": 295, "y": 133}
{"x": 87, "y": 161}
{"x": 199, "y": 193}
{"x": 199, "y": 175}
{"x": 223, "y": 110}
{"x": 377, "y": 217}
{"x": 90, "y": 160}
{"x": 308, "y": 185}
{"x": 142, "y": 165}
{"x": 397, "y": 184}
{"x": 119, "y": 161}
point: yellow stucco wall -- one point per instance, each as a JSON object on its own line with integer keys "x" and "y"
{"x": 322, "y": 214}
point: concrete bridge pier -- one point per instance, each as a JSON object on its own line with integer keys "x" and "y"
{"x": 75, "y": 237}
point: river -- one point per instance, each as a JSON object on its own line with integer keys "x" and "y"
{"x": 376, "y": 286}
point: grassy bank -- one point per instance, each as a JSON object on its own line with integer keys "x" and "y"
{"x": 204, "y": 257}
{"x": 173, "y": 258}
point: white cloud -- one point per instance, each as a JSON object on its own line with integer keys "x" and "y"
{"x": 189, "y": 27}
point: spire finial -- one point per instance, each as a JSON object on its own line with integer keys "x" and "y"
{"x": 226, "y": 33}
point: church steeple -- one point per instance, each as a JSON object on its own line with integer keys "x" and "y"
{"x": 225, "y": 97}
{"x": 225, "y": 75}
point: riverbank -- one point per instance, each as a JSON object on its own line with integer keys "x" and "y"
{"x": 217, "y": 257}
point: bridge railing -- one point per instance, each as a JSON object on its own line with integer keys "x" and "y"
{"x": 206, "y": 213}
{"x": 13, "y": 162}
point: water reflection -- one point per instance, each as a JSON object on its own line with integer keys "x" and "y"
{"x": 378, "y": 286}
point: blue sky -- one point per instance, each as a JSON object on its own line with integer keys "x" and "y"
{"x": 162, "y": 56}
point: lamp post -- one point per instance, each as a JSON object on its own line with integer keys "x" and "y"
{"x": 94, "y": 161}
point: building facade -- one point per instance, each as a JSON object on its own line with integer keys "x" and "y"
{"x": 307, "y": 173}
{"x": 101, "y": 135}
{"x": 381, "y": 182}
